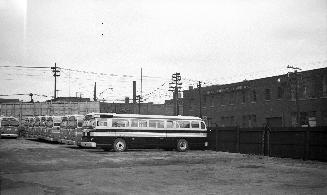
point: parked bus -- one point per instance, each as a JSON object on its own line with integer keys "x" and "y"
{"x": 53, "y": 128}
{"x": 9, "y": 127}
{"x": 43, "y": 127}
{"x": 63, "y": 129}
{"x": 36, "y": 127}
{"x": 88, "y": 124}
{"x": 75, "y": 123}
{"x": 29, "y": 122}
{"x": 122, "y": 131}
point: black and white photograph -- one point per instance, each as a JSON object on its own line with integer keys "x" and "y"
{"x": 163, "y": 97}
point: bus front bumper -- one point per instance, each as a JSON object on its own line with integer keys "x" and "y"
{"x": 89, "y": 144}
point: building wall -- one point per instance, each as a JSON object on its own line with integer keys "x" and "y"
{"x": 272, "y": 99}
{"x": 22, "y": 110}
{"x": 145, "y": 108}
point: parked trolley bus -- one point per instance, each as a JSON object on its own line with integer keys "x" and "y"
{"x": 53, "y": 128}
{"x": 75, "y": 123}
{"x": 29, "y": 122}
{"x": 9, "y": 127}
{"x": 43, "y": 127}
{"x": 122, "y": 131}
{"x": 63, "y": 129}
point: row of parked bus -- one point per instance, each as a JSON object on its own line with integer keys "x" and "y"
{"x": 120, "y": 131}
{"x": 63, "y": 129}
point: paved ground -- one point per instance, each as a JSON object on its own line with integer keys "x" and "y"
{"x": 31, "y": 167}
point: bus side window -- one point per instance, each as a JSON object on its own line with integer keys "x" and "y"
{"x": 134, "y": 122}
{"x": 203, "y": 126}
{"x": 143, "y": 123}
{"x": 195, "y": 124}
{"x": 120, "y": 123}
{"x": 161, "y": 124}
{"x": 183, "y": 124}
{"x": 170, "y": 124}
{"x": 152, "y": 123}
{"x": 102, "y": 122}
{"x": 80, "y": 123}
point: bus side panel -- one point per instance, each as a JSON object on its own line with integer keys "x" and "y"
{"x": 103, "y": 141}
{"x": 145, "y": 142}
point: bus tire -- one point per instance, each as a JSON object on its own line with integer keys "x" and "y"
{"x": 182, "y": 145}
{"x": 119, "y": 145}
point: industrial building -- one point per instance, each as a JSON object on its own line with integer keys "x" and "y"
{"x": 22, "y": 110}
{"x": 293, "y": 99}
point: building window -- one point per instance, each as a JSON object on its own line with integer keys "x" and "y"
{"x": 324, "y": 118}
{"x": 253, "y": 120}
{"x": 324, "y": 86}
{"x": 280, "y": 93}
{"x": 293, "y": 119}
{"x": 267, "y": 94}
{"x": 204, "y": 100}
{"x": 254, "y": 96}
{"x": 222, "y": 121}
{"x": 312, "y": 119}
{"x": 243, "y": 97}
{"x": 249, "y": 120}
{"x": 232, "y": 121}
{"x": 231, "y": 98}
{"x": 304, "y": 119}
{"x": 212, "y": 101}
{"x": 223, "y": 101}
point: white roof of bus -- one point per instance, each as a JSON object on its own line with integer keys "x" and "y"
{"x": 8, "y": 117}
{"x": 179, "y": 117}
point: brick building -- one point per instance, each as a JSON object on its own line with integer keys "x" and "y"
{"x": 279, "y": 100}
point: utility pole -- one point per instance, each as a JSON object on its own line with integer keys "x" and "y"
{"x": 200, "y": 110}
{"x": 56, "y": 73}
{"x": 139, "y": 98}
{"x": 296, "y": 94}
{"x": 175, "y": 87}
{"x": 141, "y": 81}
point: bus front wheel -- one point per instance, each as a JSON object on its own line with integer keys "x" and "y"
{"x": 119, "y": 145}
{"x": 182, "y": 145}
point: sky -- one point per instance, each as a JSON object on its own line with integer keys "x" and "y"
{"x": 109, "y": 41}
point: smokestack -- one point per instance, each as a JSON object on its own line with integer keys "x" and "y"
{"x": 126, "y": 100}
{"x": 95, "y": 92}
{"x": 134, "y": 92}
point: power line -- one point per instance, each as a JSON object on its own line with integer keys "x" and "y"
{"x": 28, "y": 67}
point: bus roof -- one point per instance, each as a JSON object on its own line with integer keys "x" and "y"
{"x": 114, "y": 115}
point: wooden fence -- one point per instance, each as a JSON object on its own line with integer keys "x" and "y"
{"x": 308, "y": 143}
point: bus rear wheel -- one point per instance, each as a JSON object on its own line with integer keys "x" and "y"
{"x": 119, "y": 145}
{"x": 182, "y": 145}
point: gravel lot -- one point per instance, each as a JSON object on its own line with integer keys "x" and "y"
{"x": 32, "y": 167}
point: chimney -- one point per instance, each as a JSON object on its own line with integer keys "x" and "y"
{"x": 134, "y": 92}
{"x": 126, "y": 100}
{"x": 95, "y": 92}
{"x": 190, "y": 87}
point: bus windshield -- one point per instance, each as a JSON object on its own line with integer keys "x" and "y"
{"x": 89, "y": 123}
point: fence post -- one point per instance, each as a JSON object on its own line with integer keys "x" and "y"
{"x": 263, "y": 142}
{"x": 307, "y": 144}
{"x": 237, "y": 139}
{"x": 216, "y": 140}
{"x": 268, "y": 141}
